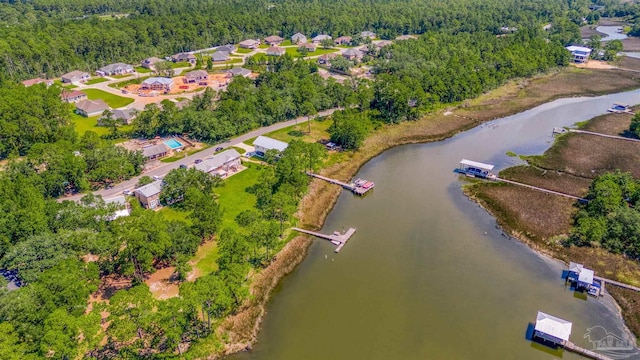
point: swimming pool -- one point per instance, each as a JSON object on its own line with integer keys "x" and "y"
{"x": 173, "y": 144}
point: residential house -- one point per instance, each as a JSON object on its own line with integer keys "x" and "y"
{"x": 326, "y": 59}
{"x": 35, "y": 81}
{"x": 368, "y": 34}
{"x": 275, "y": 51}
{"x": 343, "y": 40}
{"x": 155, "y": 151}
{"x": 228, "y": 48}
{"x": 318, "y": 39}
{"x": 196, "y": 76}
{"x": 298, "y": 38}
{"x": 121, "y": 205}
{"x": 184, "y": 57}
{"x": 239, "y": 71}
{"x": 273, "y": 40}
{"x": 219, "y": 56}
{"x": 249, "y": 44}
{"x": 221, "y": 164}
{"x": 149, "y": 195}
{"x": 579, "y": 54}
{"x": 75, "y": 77}
{"x": 90, "y": 108}
{"x": 264, "y": 144}
{"x": 157, "y": 83}
{"x": 382, "y": 43}
{"x": 125, "y": 116}
{"x": 115, "y": 69}
{"x": 406, "y": 37}
{"x": 311, "y": 47}
{"x": 72, "y": 96}
{"x": 352, "y": 55}
{"x": 149, "y": 63}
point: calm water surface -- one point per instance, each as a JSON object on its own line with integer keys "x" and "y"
{"x": 427, "y": 275}
{"x": 613, "y": 33}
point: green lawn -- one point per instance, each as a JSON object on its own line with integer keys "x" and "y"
{"x": 233, "y": 197}
{"x": 287, "y": 43}
{"x": 122, "y": 76}
{"x": 142, "y": 70}
{"x": 114, "y": 101}
{"x": 243, "y": 51}
{"x": 96, "y": 81}
{"x": 259, "y": 57}
{"x": 121, "y": 84}
{"x": 263, "y": 46}
{"x": 293, "y": 51}
{"x": 171, "y": 213}
{"x": 239, "y": 150}
{"x": 300, "y": 131}
{"x": 83, "y": 124}
{"x": 180, "y": 65}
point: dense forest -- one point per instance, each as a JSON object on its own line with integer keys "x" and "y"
{"x": 53, "y": 37}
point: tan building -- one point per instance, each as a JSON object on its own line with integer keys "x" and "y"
{"x": 149, "y": 195}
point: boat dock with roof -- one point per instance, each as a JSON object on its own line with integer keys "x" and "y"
{"x": 476, "y": 169}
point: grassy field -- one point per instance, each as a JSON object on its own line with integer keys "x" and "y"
{"x": 114, "y": 101}
{"x": 65, "y": 86}
{"x": 122, "y": 76}
{"x": 300, "y": 131}
{"x": 286, "y": 43}
{"x": 121, "y": 84}
{"x": 243, "y": 51}
{"x": 83, "y": 124}
{"x": 293, "y": 51}
{"x": 183, "y": 64}
{"x": 263, "y": 46}
{"x": 142, "y": 70}
{"x": 234, "y": 198}
{"x": 171, "y": 213}
{"x": 96, "y": 81}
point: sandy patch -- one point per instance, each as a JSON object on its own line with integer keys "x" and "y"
{"x": 595, "y": 64}
{"x": 161, "y": 285}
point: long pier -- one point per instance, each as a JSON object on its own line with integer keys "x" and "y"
{"x": 356, "y": 188}
{"x": 617, "y": 283}
{"x": 541, "y": 189}
{"x": 336, "y": 238}
{"x": 584, "y": 352}
{"x": 603, "y": 135}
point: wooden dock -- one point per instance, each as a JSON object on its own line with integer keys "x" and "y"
{"x": 541, "y": 189}
{"x": 355, "y": 187}
{"x": 336, "y": 238}
{"x": 568, "y": 345}
{"x": 616, "y": 283}
{"x": 604, "y": 135}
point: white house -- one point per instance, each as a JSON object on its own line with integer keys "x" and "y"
{"x": 75, "y": 77}
{"x": 264, "y": 144}
{"x": 579, "y": 54}
{"x": 115, "y": 69}
{"x": 298, "y": 38}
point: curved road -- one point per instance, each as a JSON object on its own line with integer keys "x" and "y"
{"x": 166, "y": 167}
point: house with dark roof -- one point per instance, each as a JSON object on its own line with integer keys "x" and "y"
{"x": 115, "y": 69}
{"x": 72, "y": 96}
{"x": 273, "y": 40}
{"x": 263, "y": 144}
{"x": 184, "y": 57}
{"x": 298, "y": 38}
{"x": 238, "y": 71}
{"x": 275, "y": 51}
{"x": 249, "y": 44}
{"x": 318, "y": 39}
{"x": 35, "y": 81}
{"x": 157, "y": 84}
{"x": 221, "y": 164}
{"x": 149, "y": 63}
{"x": 228, "y": 48}
{"x": 196, "y": 76}
{"x": 343, "y": 40}
{"x": 155, "y": 151}
{"x": 75, "y": 77}
{"x": 90, "y": 108}
{"x": 219, "y": 56}
{"x": 149, "y": 195}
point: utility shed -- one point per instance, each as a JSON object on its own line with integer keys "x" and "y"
{"x": 551, "y": 328}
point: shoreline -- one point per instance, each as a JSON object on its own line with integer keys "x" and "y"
{"x": 243, "y": 328}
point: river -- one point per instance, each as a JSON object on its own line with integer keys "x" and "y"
{"x": 612, "y": 32}
{"x": 428, "y": 275}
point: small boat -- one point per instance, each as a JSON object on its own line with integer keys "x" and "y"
{"x": 618, "y": 108}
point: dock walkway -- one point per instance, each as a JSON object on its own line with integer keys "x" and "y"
{"x": 603, "y": 135}
{"x": 584, "y": 352}
{"x": 541, "y": 189}
{"x": 356, "y": 187}
{"x": 617, "y": 283}
{"x": 336, "y": 238}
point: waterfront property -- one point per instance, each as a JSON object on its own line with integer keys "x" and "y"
{"x": 89, "y": 108}
{"x": 221, "y": 164}
{"x": 579, "y": 54}
{"x": 583, "y": 279}
{"x": 475, "y": 169}
{"x": 157, "y": 84}
{"x": 115, "y": 69}
{"x": 155, "y": 151}
{"x": 265, "y": 143}
{"x": 552, "y": 329}
{"x": 358, "y": 187}
{"x": 75, "y": 77}
{"x": 149, "y": 195}
{"x": 336, "y": 238}
{"x": 72, "y": 96}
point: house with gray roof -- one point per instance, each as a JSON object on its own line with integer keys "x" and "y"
{"x": 298, "y": 38}
{"x": 273, "y": 40}
{"x": 149, "y": 63}
{"x": 352, "y": 54}
{"x": 228, "y": 48}
{"x": 264, "y": 144}
{"x": 318, "y": 39}
{"x": 75, "y": 77}
{"x": 149, "y": 195}
{"x": 275, "y": 51}
{"x": 124, "y": 116}
{"x": 219, "y": 56}
{"x": 249, "y": 44}
{"x": 88, "y": 108}
{"x": 196, "y": 76}
{"x": 115, "y": 69}
{"x": 72, "y": 96}
{"x": 155, "y": 151}
{"x": 157, "y": 83}
{"x": 221, "y": 164}
{"x": 368, "y": 34}
{"x": 239, "y": 71}
{"x": 184, "y": 57}
{"x": 343, "y": 40}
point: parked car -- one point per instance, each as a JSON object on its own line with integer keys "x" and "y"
{"x": 156, "y": 177}
{"x": 198, "y": 161}
{"x": 183, "y": 166}
{"x": 219, "y": 148}
{"x": 127, "y": 192}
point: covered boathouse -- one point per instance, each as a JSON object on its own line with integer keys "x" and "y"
{"x": 584, "y": 279}
{"x": 475, "y": 169}
{"x": 552, "y": 329}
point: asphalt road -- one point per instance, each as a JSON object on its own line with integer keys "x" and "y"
{"x": 189, "y": 160}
